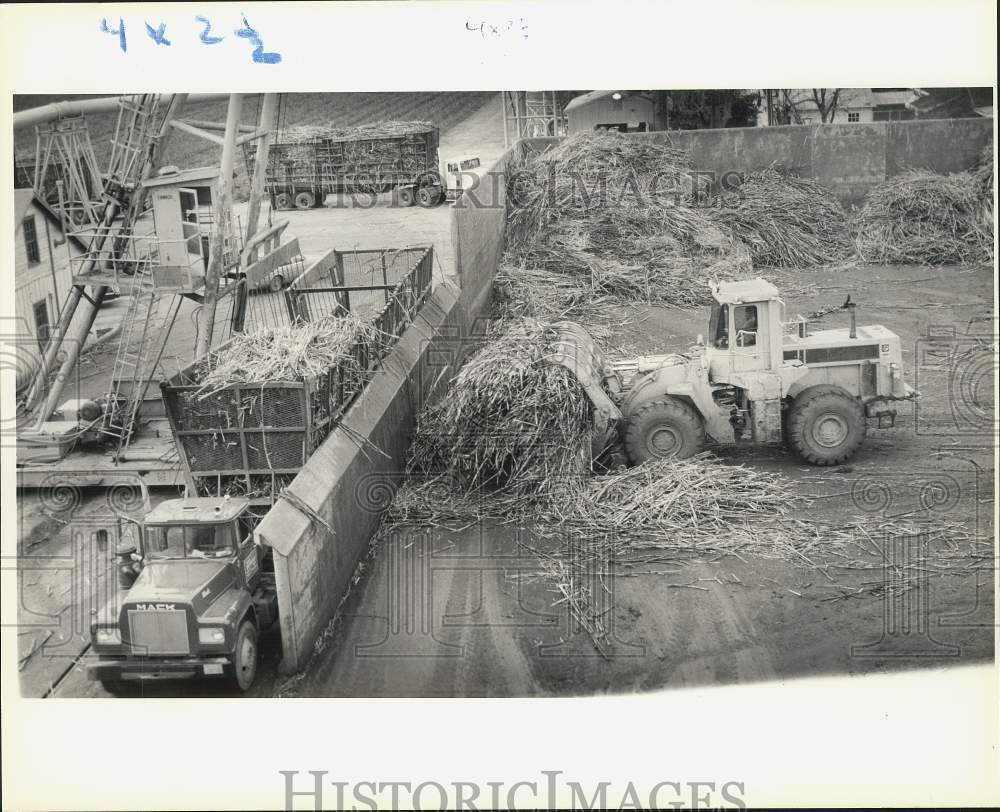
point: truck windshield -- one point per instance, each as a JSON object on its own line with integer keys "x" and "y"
{"x": 189, "y": 541}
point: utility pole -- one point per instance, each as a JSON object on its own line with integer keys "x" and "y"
{"x": 268, "y": 106}
{"x": 222, "y": 208}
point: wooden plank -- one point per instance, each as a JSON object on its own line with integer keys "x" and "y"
{"x": 261, "y": 269}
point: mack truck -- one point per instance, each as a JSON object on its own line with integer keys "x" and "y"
{"x": 757, "y": 379}
{"x": 195, "y": 593}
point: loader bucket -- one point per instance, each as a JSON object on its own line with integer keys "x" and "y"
{"x": 578, "y": 352}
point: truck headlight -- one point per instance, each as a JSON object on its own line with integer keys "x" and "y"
{"x": 211, "y": 635}
{"x": 108, "y": 636}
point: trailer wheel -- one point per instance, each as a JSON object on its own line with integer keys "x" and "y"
{"x": 245, "y": 656}
{"x": 429, "y": 196}
{"x": 305, "y": 200}
{"x": 405, "y": 196}
{"x": 826, "y": 425}
{"x": 664, "y": 428}
{"x": 282, "y": 201}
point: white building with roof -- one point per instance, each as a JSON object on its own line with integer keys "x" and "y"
{"x": 622, "y": 110}
{"x": 42, "y": 274}
{"x": 855, "y": 105}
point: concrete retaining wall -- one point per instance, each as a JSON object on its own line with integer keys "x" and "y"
{"x": 849, "y": 158}
{"x": 323, "y": 529}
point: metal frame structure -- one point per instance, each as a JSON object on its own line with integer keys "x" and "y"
{"x": 64, "y": 152}
{"x": 531, "y": 114}
{"x": 118, "y": 259}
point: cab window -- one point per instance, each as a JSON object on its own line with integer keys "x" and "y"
{"x": 189, "y": 541}
{"x": 244, "y": 530}
{"x": 720, "y": 326}
{"x": 210, "y": 541}
{"x": 471, "y": 163}
{"x": 165, "y": 542}
{"x": 452, "y": 167}
{"x": 745, "y": 325}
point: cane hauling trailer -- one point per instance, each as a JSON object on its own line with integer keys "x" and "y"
{"x": 403, "y": 160}
{"x": 196, "y": 590}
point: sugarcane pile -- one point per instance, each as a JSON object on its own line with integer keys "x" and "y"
{"x": 511, "y": 420}
{"x": 305, "y": 133}
{"x": 785, "y": 221}
{"x": 926, "y": 218}
{"x": 286, "y": 353}
{"x": 612, "y": 217}
{"x": 983, "y": 180}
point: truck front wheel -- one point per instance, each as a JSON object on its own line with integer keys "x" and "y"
{"x": 245, "y": 656}
{"x": 663, "y": 428}
{"x": 826, "y": 425}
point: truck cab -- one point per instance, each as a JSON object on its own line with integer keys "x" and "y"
{"x": 198, "y": 604}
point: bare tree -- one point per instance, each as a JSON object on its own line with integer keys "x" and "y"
{"x": 786, "y": 104}
{"x": 825, "y": 99}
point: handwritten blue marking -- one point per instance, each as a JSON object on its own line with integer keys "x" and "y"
{"x": 205, "y": 36}
{"x": 158, "y": 35}
{"x": 485, "y": 28}
{"x": 120, "y": 31}
{"x": 259, "y": 54}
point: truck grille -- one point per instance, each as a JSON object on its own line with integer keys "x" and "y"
{"x": 163, "y": 631}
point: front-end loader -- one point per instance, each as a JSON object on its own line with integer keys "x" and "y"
{"x": 757, "y": 379}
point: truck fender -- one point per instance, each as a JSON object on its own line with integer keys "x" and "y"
{"x": 240, "y": 609}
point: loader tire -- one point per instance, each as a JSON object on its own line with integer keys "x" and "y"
{"x": 661, "y": 429}
{"x": 305, "y": 201}
{"x": 826, "y": 425}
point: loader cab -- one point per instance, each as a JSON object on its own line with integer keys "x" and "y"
{"x": 744, "y": 328}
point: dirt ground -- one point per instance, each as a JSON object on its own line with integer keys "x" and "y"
{"x": 468, "y": 613}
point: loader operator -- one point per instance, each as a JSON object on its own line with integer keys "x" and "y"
{"x": 746, "y": 325}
